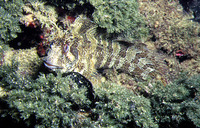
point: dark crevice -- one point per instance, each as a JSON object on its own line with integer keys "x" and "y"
{"x": 185, "y": 4}
{"x": 183, "y": 58}
{"x": 153, "y": 38}
{"x": 27, "y": 39}
{"x": 163, "y": 50}
{"x": 6, "y": 120}
{"x": 194, "y": 6}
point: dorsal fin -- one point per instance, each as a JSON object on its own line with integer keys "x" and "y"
{"x": 81, "y": 25}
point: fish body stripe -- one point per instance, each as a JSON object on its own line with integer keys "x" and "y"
{"x": 116, "y": 49}
{"x": 105, "y": 52}
{"x": 131, "y": 68}
{"x": 146, "y": 73}
{"x": 142, "y": 62}
{"x": 121, "y": 63}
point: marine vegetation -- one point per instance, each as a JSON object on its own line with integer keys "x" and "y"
{"x": 98, "y": 81}
{"x": 178, "y": 104}
{"x": 70, "y": 101}
{"x": 120, "y": 17}
{"x": 9, "y": 19}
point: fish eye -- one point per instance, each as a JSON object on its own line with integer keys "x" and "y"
{"x": 66, "y": 48}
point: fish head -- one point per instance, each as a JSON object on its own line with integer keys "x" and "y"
{"x": 62, "y": 56}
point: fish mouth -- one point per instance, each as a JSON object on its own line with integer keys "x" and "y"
{"x": 51, "y": 66}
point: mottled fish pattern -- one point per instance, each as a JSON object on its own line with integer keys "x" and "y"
{"x": 85, "y": 51}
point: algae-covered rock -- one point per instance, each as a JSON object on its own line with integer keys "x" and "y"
{"x": 171, "y": 29}
{"x": 38, "y": 11}
{"x": 27, "y": 60}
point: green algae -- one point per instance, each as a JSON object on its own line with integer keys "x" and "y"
{"x": 9, "y": 19}
{"x": 59, "y": 101}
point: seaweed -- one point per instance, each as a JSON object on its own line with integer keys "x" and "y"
{"x": 69, "y": 101}
{"x": 177, "y": 103}
{"x": 10, "y": 13}
{"x": 121, "y": 18}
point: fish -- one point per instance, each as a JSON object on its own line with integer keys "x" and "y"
{"x": 85, "y": 50}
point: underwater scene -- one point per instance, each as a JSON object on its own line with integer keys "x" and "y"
{"x": 100, "y": 63}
